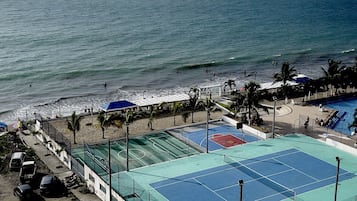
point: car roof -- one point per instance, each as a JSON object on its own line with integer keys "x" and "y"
{"x": 47, "y": 179}
{"x": 24, "y": 187}
{"x": 17, "y": 154}
{"x": 28, "y": 163}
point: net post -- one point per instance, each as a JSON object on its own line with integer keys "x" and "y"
{"x": 287, "y": 192}
{"x": 134, "y": 186}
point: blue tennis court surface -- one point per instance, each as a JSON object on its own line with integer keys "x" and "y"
{"x": 271, "y": 177}
{"x": 197, "y": 134}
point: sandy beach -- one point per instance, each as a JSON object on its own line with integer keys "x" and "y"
{"x": 92, "y": 133}
{"x": 290, "y": 118}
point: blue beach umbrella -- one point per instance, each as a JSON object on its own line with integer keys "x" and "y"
{"x": 3, "y": 125}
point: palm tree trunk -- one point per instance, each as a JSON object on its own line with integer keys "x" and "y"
{"x": 74, "y": 137}
{"x": 103, "y": 133}
{"x": 249, "y": 113}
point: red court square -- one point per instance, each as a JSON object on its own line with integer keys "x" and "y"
{"x": 226, "y": 140}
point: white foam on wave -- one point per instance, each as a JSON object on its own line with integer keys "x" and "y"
{"x": 66, "y": 106}
{"x": 348, "y": 51}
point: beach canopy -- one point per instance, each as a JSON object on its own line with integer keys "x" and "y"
{"x": 301, "y": 78}
{"x": 272, "y": 85}
{"x": 3, "y": 125}
{"x": 161, "y": 99}
{"x": 117, "y": 105}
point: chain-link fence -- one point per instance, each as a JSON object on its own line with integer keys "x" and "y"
{"x": 57, "y": 136}
{"x": 121, "y": 182}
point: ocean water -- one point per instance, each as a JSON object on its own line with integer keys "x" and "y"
{"x": 55, "y": 56}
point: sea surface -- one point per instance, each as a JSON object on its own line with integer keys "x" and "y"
{"x": 55, "y": 56}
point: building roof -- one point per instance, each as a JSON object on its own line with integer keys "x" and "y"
{"x": 117, "y": 105}
{"x": 3, "y": 125}
{"x": 272, "y": 85}
{"x": 161, "y": 99}
{"x": 301, "y": 78}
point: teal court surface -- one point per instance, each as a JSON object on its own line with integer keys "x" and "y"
{"x": 163, "y": 146}
{"x": 143, "y": 151}
{"x": 293, "y": 167}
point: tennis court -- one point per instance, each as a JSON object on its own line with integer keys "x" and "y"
{"x": 220, "y": 135}
{"x": 294, "y": 167}
{"x": 143, "y": 151}
{"x": 271, "y": 177}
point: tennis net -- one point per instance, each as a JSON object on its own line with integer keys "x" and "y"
{"x": 98, "y": 161}
{"x": 287, "y": 192}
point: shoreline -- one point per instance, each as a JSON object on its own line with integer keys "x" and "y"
{"x": 289, "y": 119}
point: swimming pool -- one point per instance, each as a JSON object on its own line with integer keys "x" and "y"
{"x": 347, "y": 106}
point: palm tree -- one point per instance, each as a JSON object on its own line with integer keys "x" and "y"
{"x": 194, "y": 95}
{"x": 177, "y": 106}
{"x": 251, "y": 94}
{"x": 73, "y": 124}
{"x": 116, "y": 120}
{"x": 333, "y": 73}
{"x": 185, "y": 116}
{"x": 103, "y": 122}
{"x": 252, "y": 98}
{"x": 286, "y": 74}
{"x": 230, "y": 84}
{"x": 238, "y": 103}
{"x": 153, "y": 112}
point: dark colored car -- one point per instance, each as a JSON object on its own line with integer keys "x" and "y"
{"x": 51, "y": 186}
{"x": 24, "y": 192}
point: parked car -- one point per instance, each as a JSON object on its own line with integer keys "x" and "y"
{"x": 17, "y": 158}
{"x": 27, "y": 171}
{"x": 51, "y": 186}
{"x": 23, "y": 192}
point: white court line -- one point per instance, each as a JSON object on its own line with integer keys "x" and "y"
{"x": 198, "y": 176}
{"x": 320, "y": 181}
{"x": 253, "y": 161}
{"x": 164, "y": 149}
{"x": 297, "y": 170}
{"x": 132, "y": 155}
{"x": 210, "y": 189}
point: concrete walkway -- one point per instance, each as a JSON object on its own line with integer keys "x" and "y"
{"x": 292, "y": 120}
{"x": 54, "y": 164}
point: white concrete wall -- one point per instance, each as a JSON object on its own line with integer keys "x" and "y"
{"x": 95, "y": 186}
{"x": 52, "y": 146}
{"x": 341, "y": 146}
{"x": 247, "y": 128}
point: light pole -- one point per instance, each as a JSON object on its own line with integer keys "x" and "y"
{"x": 207, "y": 118}
{"x": 109, "y": 171}
{"x": 273, "y": 127}
{"x": 337, "y": 173}
{"x": 240, "y": 182}
{"x": 208, "y": 102}
{"x": 127, "y": 145}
